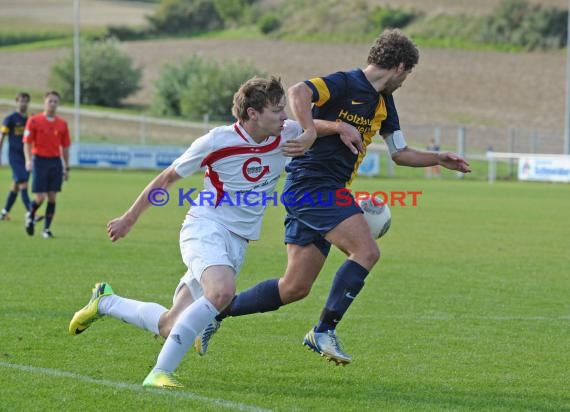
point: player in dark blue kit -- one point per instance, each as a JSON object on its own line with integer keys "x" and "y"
{"x": 13, "y": 126}
{"x": 345, "y": 109}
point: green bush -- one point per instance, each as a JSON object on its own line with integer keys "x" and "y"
{"x": 185, "y": 16}
{"x": 124, "y": 33}
{"x": 528, "y": 25}
{"x": 233, "y": 12}
{"x": 198, "y": 87}
{"x": 107, "y": 74}
{"x": 381, "y": 18}
{"x": 269, "y": 23}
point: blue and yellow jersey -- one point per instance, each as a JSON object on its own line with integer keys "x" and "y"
{"x": 14, "y": 125}
{"x": 348, "y": 97}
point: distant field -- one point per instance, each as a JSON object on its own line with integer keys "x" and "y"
{"x": 448, "y": 87}
{"x": 94, "y": 13}
{"x": 467, "y": 310}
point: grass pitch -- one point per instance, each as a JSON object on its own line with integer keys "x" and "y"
{"x": 467, "y": 310}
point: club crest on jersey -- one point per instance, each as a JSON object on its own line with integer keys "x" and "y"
{"x": 253, "y": 170}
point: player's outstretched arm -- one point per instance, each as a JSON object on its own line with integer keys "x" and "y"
{"x": 421, "y": 158}
{"x": 453, "y": 161}
{"x": 120, "y": 226}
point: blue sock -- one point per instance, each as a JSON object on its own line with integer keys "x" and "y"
{"x": 34, "y": 206}
{"x": 10, "y": 200}
{"x": 50, "y": 211}
{"x": 348, "y": 281}
{"x": 25, "y": 198}
{"x": 263, "y": 297}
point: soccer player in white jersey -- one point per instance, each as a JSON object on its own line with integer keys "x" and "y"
{"x": 247, "y": 156}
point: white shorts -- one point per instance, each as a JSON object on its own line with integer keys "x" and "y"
{"x": 205, "y": 243}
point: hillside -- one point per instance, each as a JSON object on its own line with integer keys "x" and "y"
{"x": 448, "y": 86}
{"x": 469, "y": 7}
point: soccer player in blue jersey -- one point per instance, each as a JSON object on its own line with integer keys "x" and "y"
{"x": 338, "y": 108}
{"x": 13, "y": 126}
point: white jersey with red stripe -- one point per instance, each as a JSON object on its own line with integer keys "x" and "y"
{"x": 240, "y": 176}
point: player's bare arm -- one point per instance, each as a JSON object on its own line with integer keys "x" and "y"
{"x": 28, "y": 156}
{"x": 65, "y": 162}
{"x": 421, "y": 158}
{"x": 300, "y": 96}
{"x": 297, "y": 147}
{"x": 349, "y": 135}
{"x": 120, "y": 227}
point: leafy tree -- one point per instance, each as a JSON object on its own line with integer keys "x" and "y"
{"x": 185, "y": 16}
{"x": 107, "y": 74}
{"x": 528, "y": 25}
{"x": 233, "y": 12}
{"x": 198, "y": 87}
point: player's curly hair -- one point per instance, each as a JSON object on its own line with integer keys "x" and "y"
{"x": 257, "y": 93}
{"x": 391, "y": 48}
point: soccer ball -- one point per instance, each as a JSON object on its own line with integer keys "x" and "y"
{"x": 378, "y": 216}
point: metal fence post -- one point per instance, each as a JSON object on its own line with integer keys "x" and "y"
{"x": 534, "y": 141}
{"x": 389, "y": 165}
{"x": 142, "y": 129}
{"x": 460, "y": 146}
{"x": 492, "y": 166}
{"x": 437, "y": 136}
{"x": 511, "y": 149}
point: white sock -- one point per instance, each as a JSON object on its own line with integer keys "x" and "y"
{"x": 190, "y": 323}
{"x": 145, "y": 315}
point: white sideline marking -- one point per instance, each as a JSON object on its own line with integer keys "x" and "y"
{"x": 132, "y": 387}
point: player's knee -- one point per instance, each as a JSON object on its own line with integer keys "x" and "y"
{"x": 221, "y": 296}
{"x": 293, "y": 291}
{"x": 368, "y": 256}
{"x": 165, "y": 324}
{"x": 374, "y": 254}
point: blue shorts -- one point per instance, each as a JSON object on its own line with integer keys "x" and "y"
{"x": 18, "y": 164}
{"x": 313, "y": 210}
{"x": 47, "y": 174}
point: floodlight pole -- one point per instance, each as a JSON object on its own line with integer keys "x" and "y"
{"x": 567, "y": 114}
{"x": 76, "y": 91}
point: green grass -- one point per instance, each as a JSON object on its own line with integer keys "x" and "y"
{"x": 467, "y": 310}
{"x": 25, "y": 35}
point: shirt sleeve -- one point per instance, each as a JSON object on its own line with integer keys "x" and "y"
{"x": 327, "y": 88}
{"x": 392, "y": 122}
{"x": 291, "y": 131}
{"x": 29, "y": 132}
{"x": 6, "y": 125}
{"x": 190, "y": 161}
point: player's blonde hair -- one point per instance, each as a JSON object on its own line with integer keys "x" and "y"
{"x": 257, "y": 93}
{"x": 391, "y": 48}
